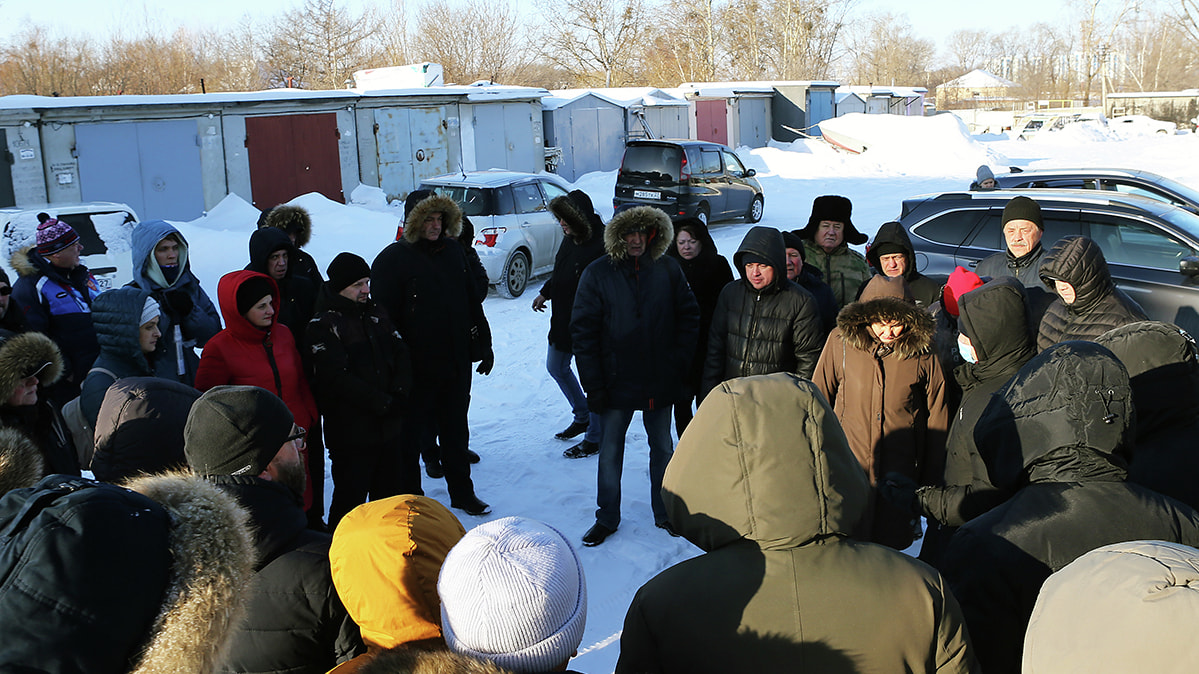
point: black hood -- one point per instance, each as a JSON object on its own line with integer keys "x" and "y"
{"x": 1077, "y": 260}
{"x": 263, "y": 243}
{"x": 1161, "y": 362}
{"x": 892, "y": 233}
{"x": 996, "y": 318}
{"x": 766, "y": 243}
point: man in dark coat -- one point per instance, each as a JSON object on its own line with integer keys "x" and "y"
{"x": 1056, "y": 437}
{"x": 634, "y": 328}
{"x": 582, "y": 243}
{"x": 707, "y": 273}
{"x": 243, "y": 440}
{"x": 891, "y": 254}
{"x": 1161, "y": 362}
{"x": 271, "y": 253}
{"x": 424, "y": 282}
{"x": 1089, "y": 303}
{"x": 763, "y": 323}
{"x": 11, "y": 316}
{"x": 361, "y": 379}
{"x": 770, "y": 491}
{"x": 1023, "y": 228}
{"x": 297, "y": 224}
{"x": 810, "y": 279}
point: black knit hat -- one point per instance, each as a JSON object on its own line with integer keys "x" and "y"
{"x": 235, "y": 430}
{"x": 251, "y": 290}
{"x": 792, "y": 240}
{"x": 834, "y": 208}
{"x": 1023, "y": 208}
{"x": 747, "y": 258}
{"x": 345, "y": 270}
{"x": 887, "y": 248}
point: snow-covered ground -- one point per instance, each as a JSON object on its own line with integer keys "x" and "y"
{"x": 517, "y": 409}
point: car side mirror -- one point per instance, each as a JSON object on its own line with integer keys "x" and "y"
{"x": 1189, "y": 266}
{"x": 749, "y": 173}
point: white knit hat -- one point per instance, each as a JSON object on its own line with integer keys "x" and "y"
{"x": 513, "y": 592}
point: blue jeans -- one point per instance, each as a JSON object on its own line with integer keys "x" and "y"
{"x": 557, "y": 363}
{"x": 611, "y": 462}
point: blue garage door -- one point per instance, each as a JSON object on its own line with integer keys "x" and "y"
{"x": 152, "y": 166}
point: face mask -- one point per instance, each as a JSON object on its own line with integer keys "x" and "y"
{"x": 967, "y": 353}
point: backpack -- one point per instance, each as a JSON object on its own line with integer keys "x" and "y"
{"x": 84, "y": 566}
{"x": 81, "y": 431}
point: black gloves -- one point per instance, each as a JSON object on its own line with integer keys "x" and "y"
{"x": 487, "y": 363}
{"x": 900, "y": 491}
{"x": 178, "y": 302}
{"x": 597, "y": 402}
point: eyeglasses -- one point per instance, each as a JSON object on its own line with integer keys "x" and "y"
{"x": 298, "y": 436}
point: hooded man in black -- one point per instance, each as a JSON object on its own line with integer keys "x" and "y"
{"x": 891, "y": 254}
{"x": 1056, "y": 437}
{"x": 298, "y": 293}
{"x": 763, "y": 323}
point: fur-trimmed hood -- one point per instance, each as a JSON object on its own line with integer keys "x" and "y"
{"x": 886, "y": 300}
{"x": 23, "y": 354}
{"x": 653, "y": 220}
{"x": 421, "y": 661}
{"x": 292, "y": 220}
{"x": 21, "y": 463}
{"x": 27, "y": 262}
{"x": 577, "y": 211}
{"x": 213, "y": 561}
{"x": 451, "y": 218}
{"x": 21, "y": 263}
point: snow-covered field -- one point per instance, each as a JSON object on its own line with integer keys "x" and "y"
{"x": 517, "y": 409}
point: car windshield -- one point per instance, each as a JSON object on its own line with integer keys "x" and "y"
{"x": 472, "y": 200}
{"x": 655, "y": 162}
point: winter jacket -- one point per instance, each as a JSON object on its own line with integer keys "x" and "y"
{"x": 1026, "y": 269}
{"x": 1161, "y": 363}
{"x": 189, "y": 318}
{"x": 581, "y": 248}
{"x": 811, "y": 280}
{"x": 707, "y": 273}
{"x": 41, "y": 422}
{"x": 58, "y": 304}
{"x": 385, "y": 558}
{"x": 295, "y": 622}
{"x": 245, "y": 355}
{"x": 844, "y": 269}
{"x": 362, "y": 373}
{"x": 995, "y": 317}
{"x": 890, "y": 398}
{"x": 924, "y": 290}
{"x": 298, "y": 294}
{"x": 1055, "y": 437}
{"x": 775, "y": 329}
{"x": 1098, "y": 304}
{"x": 1125, "y": 607}
{"x": 139, "y": 430}
{"x": 426, "y": 288}
{"x": 635, "y": 320}
{"x": 117, "y": 315}
{"x": 764, "y": 483}
{"x": 156, "y": 585}
{"x": 295, "y": 220}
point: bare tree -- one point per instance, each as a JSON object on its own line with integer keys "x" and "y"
{"x": 37, "y": 63}
{"x": 687, "y": 43}
{"x": 394, "y": 38}
{"x": 969, "y": 49}
{"x": 804, "y": 35}
{"x": 597, "y": 41}
{"x": 1097, "y": 25}
{"x": 472, "y": 40}
{"x": 887, "y": 51}
{"x": 319, "y": 46}
{"x": 747, "y": 39}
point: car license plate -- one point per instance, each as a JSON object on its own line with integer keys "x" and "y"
{"x": 646, "y": 194}
{"x": 103, "y": 283}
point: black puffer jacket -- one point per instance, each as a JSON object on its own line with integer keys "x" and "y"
{"x": 707, "y": 273}
{"x": 1098, "y": 304}
{"x": 811, "y": 280}
{"x": 995, "y": 318}
{"x": 1161, "y": 361}
{"x": 295, "y": 220}
{"x": 924, "y": 290}
{"x": 295, "y": 622}
{"x": 1055, "y": 436}
{"x": 139, "y": 430}
{"x": 775, "y": 329}
{"x": 298, "y": 294}
{"x": 117, "y": 317}
{"x": 635, "y": 320}
{"x": 581, "y": 248}
{"x": 362, "y": 372}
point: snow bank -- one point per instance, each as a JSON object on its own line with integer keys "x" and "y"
{"x": 932, "y": 146}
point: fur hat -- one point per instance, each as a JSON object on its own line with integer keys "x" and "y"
{"x": 26, "y": 354}
{"x": 235, "y": 430}
{"x": 513, "y": 592}
{"x": 1023, "y": 208}
{"x": 294, "y": 220}
{"x": 836, "y": 209}
{"x": 53, "y": 235}
{"x": 420, "y": 204}
{"x": 345, "y": 270}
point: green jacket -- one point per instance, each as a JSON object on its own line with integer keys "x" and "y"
{"x": 766, "y": 485}
{"x": 844, "y": 269}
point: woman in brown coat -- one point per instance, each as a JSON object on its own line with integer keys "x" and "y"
{"x": 886, "y": 387}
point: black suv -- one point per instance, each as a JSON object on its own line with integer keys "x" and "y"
{"x": 1150, "y": 246}
{"x": 1126, "y": 181}
{"x": 687, "y": 179}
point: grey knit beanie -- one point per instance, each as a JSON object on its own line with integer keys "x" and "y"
{"x": 513, "y": 592}
{"x": 235, "y": 430}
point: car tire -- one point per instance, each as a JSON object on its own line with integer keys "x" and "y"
{"x": 701, "y": 214}
{"x": 515, "y": 278}
{"x": 754, "y": 214}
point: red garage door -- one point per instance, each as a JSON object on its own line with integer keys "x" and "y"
{"x": 292, "y": 155}
{"x": 711, "y": 122}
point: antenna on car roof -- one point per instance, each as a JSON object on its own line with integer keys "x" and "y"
{"x": 462, "y": 170}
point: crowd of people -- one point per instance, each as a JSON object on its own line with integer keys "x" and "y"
{"x": 1024, "y": 419}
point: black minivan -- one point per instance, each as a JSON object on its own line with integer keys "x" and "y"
{"x": 687, "y": 179}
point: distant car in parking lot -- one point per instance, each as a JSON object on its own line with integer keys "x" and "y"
{"x": 688, "y": 179}
{"x": 1142, "y": 125}
{"x": 1151, "y": 247}
{"x": 516, "y": 236}
{"x": 1127, "y": 181}
{"x": 105, "y": 229}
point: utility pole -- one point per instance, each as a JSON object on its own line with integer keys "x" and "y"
{"x": 1103, "y": 52}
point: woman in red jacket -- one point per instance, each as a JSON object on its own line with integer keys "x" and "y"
{"x": 253, "y": 350}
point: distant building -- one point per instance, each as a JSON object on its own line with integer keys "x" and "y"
{"x": 977, "y": 88}
{"x": 1180, "y": 107}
